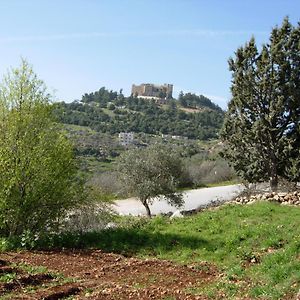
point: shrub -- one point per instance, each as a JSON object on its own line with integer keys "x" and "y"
{"x": 37, "y": 169}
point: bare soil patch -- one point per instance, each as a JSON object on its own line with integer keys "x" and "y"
{"x": 97, "y": 275}
{"x": 192, "y": 110}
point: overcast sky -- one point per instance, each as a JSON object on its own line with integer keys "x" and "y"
{"x": 79, "y": 46}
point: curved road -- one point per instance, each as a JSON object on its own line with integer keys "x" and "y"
{"x": 193, "y": 199}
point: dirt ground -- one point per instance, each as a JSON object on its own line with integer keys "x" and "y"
{"x": 98, "y": 275}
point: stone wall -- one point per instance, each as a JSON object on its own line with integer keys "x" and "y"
{"x": 291, "y": 198}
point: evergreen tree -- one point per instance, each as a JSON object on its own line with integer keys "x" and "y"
{"x": 262, "y": 125}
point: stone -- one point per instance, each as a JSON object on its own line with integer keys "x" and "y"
{"x": 282, "y": 194}
{"x": 177, "y": 214}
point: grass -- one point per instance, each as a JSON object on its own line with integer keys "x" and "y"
{"x": 223, "y": 183}
{"x": 256, "y": 247}
{"x": 78, "y": 128}
{"x": 209, "y": 185}
{"x": 32, "y": 270}
{"x": 7, "y": 278}
{"x": 93, "y": 165}
{"x": 22, "y": 270}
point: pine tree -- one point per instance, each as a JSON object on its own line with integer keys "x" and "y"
{"x": 261, "y": 131}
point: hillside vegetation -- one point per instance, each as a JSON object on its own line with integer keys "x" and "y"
{"x": 111, "y": 112}
{"x": 93, "y": 124}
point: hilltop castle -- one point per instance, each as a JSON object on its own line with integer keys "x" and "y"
{"x": 152, "y": 91}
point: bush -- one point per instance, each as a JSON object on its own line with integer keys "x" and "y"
{"x": 37, "y": 169}
{"x": 206, "y": 172}
{"x": 108, "y": 185}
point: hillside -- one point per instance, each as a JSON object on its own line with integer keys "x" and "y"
{"x": 110, "y": 112}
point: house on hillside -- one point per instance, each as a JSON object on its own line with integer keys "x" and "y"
{"x": 126, "y": 138}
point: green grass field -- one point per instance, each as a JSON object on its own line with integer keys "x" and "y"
{"x": 255, "y": 247}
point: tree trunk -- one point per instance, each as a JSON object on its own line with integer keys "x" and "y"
{"x": 274, "y": 183}
{"x": 144, "y": 202}
{"x": 273, "y": 178}
{"x": 273, "y": 173}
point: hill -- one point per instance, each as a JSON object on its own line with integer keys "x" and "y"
{"x": 110, "y": 112}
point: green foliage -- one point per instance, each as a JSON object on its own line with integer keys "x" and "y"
{"x": 204, "y": 171}
{"x": 151, "y": 172}
{"x": 97, "y": 152}
{"x": 262, "y": 125}
{"x": 102, "y": 96}
{"x": 37, "y": 169}
{"x": 140, "y": 115}
{"x": 194, "y": 101}
{"x": 111, "y": 106}
{"x": 8, "y": 277}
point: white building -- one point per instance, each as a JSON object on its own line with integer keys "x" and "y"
{"x": 126, "y": 138}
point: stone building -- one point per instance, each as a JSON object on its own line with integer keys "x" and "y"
{"x": 152, "y": 91}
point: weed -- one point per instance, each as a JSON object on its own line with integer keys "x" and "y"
{"x": 8, "y": 277}
{"x": 32, "y": 269}
{"x": 138, "y": 286}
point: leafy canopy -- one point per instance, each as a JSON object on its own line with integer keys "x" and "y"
{"x": 152, "y": 172}
{"x": 37, "y": 169}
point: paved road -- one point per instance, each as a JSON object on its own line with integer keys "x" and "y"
{"x": 193, "y": 199}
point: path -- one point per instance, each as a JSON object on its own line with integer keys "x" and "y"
{"x": 193, "y": 199}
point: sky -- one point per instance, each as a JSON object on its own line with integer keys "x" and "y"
{"x": 78, "y": 46}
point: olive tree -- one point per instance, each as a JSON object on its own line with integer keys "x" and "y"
{"x": 151, "y": 172}
{"x": 37, "y": 168}
{"x": 261, "y": 132}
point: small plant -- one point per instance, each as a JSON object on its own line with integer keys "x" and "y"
{"x": 250, "y": 257}
{"x": 8, "y": 277}
{"x": 33, "y": 270}
{"x": 29, "y": 240}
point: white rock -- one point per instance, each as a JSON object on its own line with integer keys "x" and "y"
{"x": 251, "y": 202}
{"x": 176, "y": 214}
{"x": 282, "y": 194}
{"x": 111, "y": 225}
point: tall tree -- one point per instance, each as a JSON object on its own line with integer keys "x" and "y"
{"x": 37, "y": 169}
{"x": 152, "y": 172}
{"x": 261, "y": 130}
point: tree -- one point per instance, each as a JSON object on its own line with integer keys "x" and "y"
{"x": 261, "y": 130}
{"x": 162, "y": 94}
{"x": 182, "y": 99}
{"x": 111, "y": 106}
{"x": 151, "y": 172}
{"x": 37, "y": 170}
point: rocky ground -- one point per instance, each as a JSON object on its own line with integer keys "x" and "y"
{"x": 98, "y": 275}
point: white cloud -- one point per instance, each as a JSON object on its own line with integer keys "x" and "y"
{"x": 87, "y": 35}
